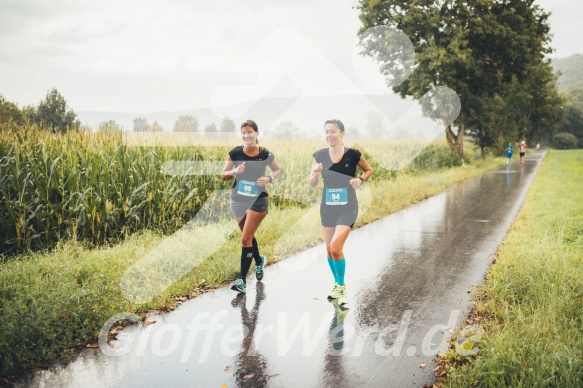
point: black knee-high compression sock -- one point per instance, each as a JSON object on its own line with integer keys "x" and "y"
{"x": 246, "y": 259}
{"x": 256, "y": 251}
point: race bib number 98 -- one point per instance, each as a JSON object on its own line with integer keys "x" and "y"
{"x": 336, "y": 196}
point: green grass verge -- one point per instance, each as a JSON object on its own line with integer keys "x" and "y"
{"x": 52, "y": 302}
{"x": 531, "y": 305}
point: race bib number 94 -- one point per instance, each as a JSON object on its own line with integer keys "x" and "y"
{"x": 336, "y": 196}
{"x": 248, "y": 188}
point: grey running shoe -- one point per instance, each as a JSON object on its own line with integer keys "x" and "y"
{"x": 239, "y": 285}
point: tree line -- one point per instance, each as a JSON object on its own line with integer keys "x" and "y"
{"x": 570, "y": 129}
{"x": 184, "y": 123}
{"x": 493, "y": 53}
{"x": 52, "y": 113}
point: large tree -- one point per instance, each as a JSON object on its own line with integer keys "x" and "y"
{"x": 53, "y": 112}
{"x": 475, "y": 47}
{"x": 541, "y": 109}
{"x": 9, "y": 112}
{"x": 572, "y": 122}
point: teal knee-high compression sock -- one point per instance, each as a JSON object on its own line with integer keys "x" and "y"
{"x": 331, "y": 264}
{"x": 339, "y": 270}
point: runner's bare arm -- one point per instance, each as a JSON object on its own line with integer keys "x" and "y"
{"x": 275, "y": 171}
{"x": 316, "y": 170}
{"x": 228, "y": 170}
{"x": 366, "y": 170}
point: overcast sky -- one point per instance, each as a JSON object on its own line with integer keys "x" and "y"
{"x": 146, "y": 56}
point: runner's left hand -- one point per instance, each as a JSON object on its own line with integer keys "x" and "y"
{"x": 264, "y": 180}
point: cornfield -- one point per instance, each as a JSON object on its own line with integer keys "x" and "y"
{"x": 97, "y": 187}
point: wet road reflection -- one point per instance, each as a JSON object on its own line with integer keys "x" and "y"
{"x": 408, "y": 276}
{"x": 250, "y": 366}
{"x": 334, "y": 374}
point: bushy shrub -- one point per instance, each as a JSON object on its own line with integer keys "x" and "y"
{"x": 565, "y": 141}
{"x": 435, "y": 157}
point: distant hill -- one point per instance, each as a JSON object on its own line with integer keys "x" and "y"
{"x": 572, "y": 69}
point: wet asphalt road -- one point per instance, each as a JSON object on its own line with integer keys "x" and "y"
{"x": 408, "y": 276}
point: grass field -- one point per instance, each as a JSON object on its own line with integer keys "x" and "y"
{"x": 531, "y": 305}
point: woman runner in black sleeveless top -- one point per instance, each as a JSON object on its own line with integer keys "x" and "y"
{"x": 249, "y": 198}
{"x": 339, "y": 208}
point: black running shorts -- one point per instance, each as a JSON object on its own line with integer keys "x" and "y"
{"x": 239, "y": 208}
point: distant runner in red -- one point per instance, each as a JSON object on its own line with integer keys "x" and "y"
{"x": 522, "y": 149}
{"x": 339, "y": 209}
